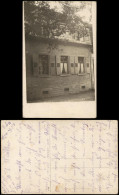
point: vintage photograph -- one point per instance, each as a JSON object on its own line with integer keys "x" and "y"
{"x": 59, "y": 51}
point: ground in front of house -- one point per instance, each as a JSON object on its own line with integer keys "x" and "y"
{"x": 82, "y": 96}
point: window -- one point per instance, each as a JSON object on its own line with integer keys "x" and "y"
{"x": 64, "y": 64}
{"x": 66, "y": 89}
{"x": 72, "y": 65}
{"x": 45, "y": 92}
{"x": 81, "y": 65}
{"x": 43, "y": 65}
{"x": 52, "y": 64}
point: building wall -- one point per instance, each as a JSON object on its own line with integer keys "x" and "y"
{"x": 55, "y": 84}
{"x": 63, "y": 48}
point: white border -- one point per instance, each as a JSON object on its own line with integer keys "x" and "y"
{"x": 85, "y": 109}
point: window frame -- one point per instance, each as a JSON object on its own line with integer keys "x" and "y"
{"x": 43, "y": 75}
{"x": 64, "y": 74}
{"x": 82, "y": 73}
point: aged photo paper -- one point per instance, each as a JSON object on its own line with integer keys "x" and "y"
{"x": 59, "y": 59}
{"x": 59, "y": 157}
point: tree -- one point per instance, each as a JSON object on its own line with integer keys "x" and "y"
{"x": 42, "y": 21}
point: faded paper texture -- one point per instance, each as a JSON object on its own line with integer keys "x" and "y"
{"x": 55, "y": 157}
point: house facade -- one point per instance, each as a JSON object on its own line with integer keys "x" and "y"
{"x": 57, "y": 67}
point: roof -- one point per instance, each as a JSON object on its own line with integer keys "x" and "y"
{"x": 64, "y": 41}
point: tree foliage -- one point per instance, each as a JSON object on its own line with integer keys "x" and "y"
{"x": 41, "y": 20}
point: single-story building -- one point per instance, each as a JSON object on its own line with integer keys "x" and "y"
{"x": 57, "y": 67}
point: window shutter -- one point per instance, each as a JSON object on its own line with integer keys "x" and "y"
{"x": 76, "y": 64}
{"x": 58, "y": 65}
{"x": 72, "y": 64}
{"x": 35, "y": 65}
{"x": 69, "y": 67}
{"x": 49, "y": 64}
{"x": 52, "y": 65}
{"x": 87, "y": 64}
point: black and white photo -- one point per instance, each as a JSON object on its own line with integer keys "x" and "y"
{"x": 60, "y": 63}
